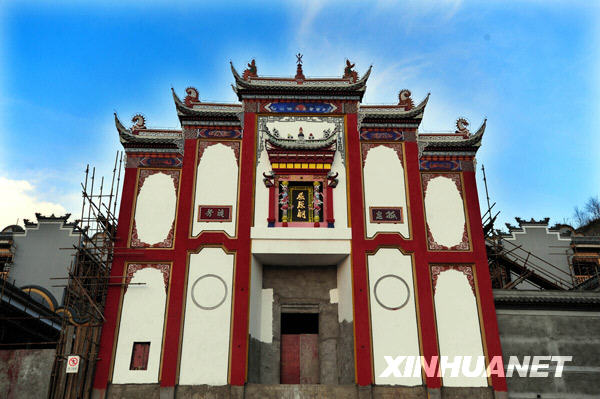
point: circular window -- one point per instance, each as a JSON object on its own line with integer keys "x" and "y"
{"x": 209, "y": 292}
{"x": 391, "y": 292}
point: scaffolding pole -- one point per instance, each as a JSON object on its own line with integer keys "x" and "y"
{"x": 87, "y": 284}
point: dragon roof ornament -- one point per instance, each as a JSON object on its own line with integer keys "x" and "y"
{"x": 149, "y": 138}
{"x": 329, "y": 138}
{"x": 461, "y": 126}
{"x": 404, "y": 99}
{"x": 207, "y": 110}
{"x": 452, "y": 142}
{"x": 394, "y": 112}
{"x": 139, "y": 122}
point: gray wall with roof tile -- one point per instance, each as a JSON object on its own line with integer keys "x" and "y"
{"x": 39, "y": 257}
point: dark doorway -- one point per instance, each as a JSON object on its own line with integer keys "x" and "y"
{"x": 299, "y": 348}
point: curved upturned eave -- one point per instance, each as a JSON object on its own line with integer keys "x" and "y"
{"x": 121, "y": 129}
{"x": 240, "y": 83}
{"x": 127, "y": 137}
{"x": 183, "y": 109}
{"x": 293, "y": 144}
{"x": 473, "y": 141}
{"x": 392, "y": 113}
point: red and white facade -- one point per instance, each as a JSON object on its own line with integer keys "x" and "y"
{"x": 297, "y": 174}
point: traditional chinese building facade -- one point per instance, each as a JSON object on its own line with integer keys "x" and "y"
{"x": 297, "y": 237}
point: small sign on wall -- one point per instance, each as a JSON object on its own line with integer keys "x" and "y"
{"x": 386, "y": 214}
{"x": 214, "y": 213}
{"x": 72, "y": 364}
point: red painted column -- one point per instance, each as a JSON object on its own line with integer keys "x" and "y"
{"x": 111, "y": 307}
{"x": 362, "y": 328}
{"x": 272, "y": 204}
{"x": 419, "y": 246}
{"x": 486, "y": 296}
{"x": 239, "y": 339}
{"x": 329, "y": 206}
{"x": 178, "y": 272}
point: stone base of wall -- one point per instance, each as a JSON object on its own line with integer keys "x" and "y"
{"x": 551, "y": 323}
{"x": 25, "y": 373}
{"x": 277, "y": 391}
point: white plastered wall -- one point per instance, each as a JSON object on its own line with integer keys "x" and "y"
{"x": 142, "y": 320}
{"x": 444, "y": 209}
{"x": 216, "y": 185}
{"x": 340, "y": 199}
{"x": 155, "y": 208}
{"x": 344, "y": 290}
{"x": 458, "y": 328}
{"x": 206, "y": 332}
{"x": 384, "y": 186}
{"x": 261, "y": 305}
{"x": 261, "y": 193}
{"x": 394, "y": 332}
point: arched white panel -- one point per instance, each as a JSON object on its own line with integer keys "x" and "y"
{"x": 458, "y": 324}
{"x": 340, "y": 200}
{"x": 445, "y": 212}
{"x": 216, "y": 185}
{"x": 261, "y": 193}
{"x": 155, "y": 209}
{"x": 206, "y": 328}
{"x": 393, "y": 313}
{"x": 142, "y": 320}
{"x": 384, "y": 187}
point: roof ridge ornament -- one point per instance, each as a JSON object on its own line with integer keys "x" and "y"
{"x": 461, "y": 127}
{"x": 192, "y": 96}
{"x": 251, "y": 71}
{"x": 404, "y": 99}
{"x": 543, "y": 221}
{"x": 299, "y": 73}
{"x": 139, "y": 122}
{"x": 349, "y": 72}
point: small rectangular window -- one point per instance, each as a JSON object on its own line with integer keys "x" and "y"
{"x": 139, "y": 356}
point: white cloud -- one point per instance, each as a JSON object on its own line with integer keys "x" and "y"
{"x": 309, "y": 10}
{"x": 20, "y": 200}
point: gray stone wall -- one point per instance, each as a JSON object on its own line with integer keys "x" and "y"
{"x": 553, "y": 327}
{"x": 305, "y": 289}
{"x": 277, "y": 391}
{"x": 25, "y": 373}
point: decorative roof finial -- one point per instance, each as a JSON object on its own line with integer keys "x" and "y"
{"x": 192, "y": 96}
{"x": 139, "y": 122}
{"x": 404, "y": 99}
{"x": 299, "y": 73}
{"x": 461, "y": 126}
{"x": 350, "y": 73}
{"x": 251, "y": 71}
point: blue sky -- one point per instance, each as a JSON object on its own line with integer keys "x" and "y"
{"x": 530, "y": 67}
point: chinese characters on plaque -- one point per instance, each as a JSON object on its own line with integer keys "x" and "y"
{"x": 300, "y": 205}
{"x": 214, "y": 213}
{"x": 386, "y": 214}
{"x": 297, "y": 202}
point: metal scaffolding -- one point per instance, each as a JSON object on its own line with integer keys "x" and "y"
{"x": 506, "y": 259}
{"x": 86, "y": 285}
